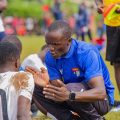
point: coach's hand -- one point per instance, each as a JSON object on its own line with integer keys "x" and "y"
{"x": 59, "y": 94}
{"x": 41, "y": 77}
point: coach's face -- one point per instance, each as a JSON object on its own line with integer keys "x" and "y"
{"x": 57, "y": 43}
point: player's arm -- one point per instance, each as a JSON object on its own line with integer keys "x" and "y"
{"x": 23, "y": 112}
{"x": 118, "y": 10}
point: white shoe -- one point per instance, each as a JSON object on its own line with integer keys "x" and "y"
{"x": 116, "y": 109}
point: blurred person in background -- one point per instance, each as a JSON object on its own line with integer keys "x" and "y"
{"x": 100, "y": 40}
{"x": 21, "y": 28}
{"x": 45, "y": 22}
{"x": 3, "y": 5}
{"x": 82, "y": 19}
{"x": 8, "y": 25}
{"x": 29, "y": 24}
{"x": 56, "y": 10}
{"x": 113, "y": 39}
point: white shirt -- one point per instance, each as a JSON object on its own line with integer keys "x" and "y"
{"x": 13, "y": 90}
{"x": 33, "y": 61}
{"x": 1, "y": 25}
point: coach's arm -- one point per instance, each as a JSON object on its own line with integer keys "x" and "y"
{"x": 61, "y": 93}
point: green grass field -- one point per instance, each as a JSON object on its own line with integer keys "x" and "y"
{"x": 32, "y": 44}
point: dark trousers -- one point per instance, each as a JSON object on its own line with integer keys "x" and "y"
{"x": 62, "y": 111}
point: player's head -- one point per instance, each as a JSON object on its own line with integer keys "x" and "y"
{"x": 14, "y": 40}
{"x": 9, "y": 56}
{"x": 3, "y": 5}
{"x": 58, "y": 38}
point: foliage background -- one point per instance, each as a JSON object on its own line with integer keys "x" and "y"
{"x": 33, "y": 8}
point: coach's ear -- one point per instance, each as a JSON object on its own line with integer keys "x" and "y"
{"x": 17, "y": 64}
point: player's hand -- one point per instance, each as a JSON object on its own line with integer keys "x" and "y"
{"x": 55, "y": 93}
{"x": 100, "y": 9}
{"x": 41, "y": 77}
{"x": 118, "y": 10}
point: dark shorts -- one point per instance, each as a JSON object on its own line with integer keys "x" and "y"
{"x": 113, "y": 44}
